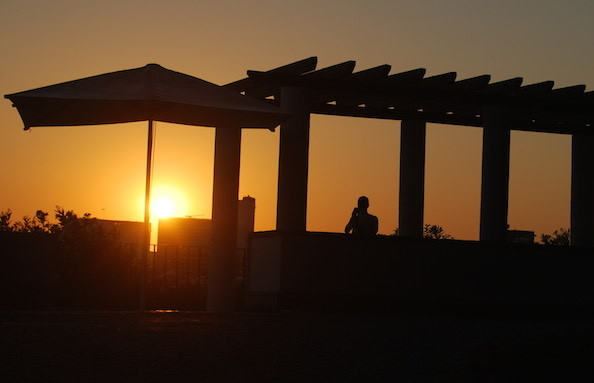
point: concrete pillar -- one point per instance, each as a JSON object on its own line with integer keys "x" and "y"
{"x": 495, "y": 176}
{"x": 223, "y": 251}
{"x": 412, "y": 179}
{"x": 291, "y": 213}
{"x": 582, "y": 190}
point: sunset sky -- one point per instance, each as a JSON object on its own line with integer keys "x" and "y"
{"x": 100, "y": 169}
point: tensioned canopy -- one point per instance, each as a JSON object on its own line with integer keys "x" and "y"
{"x": 153, "y": 93}
{"x": 147, "y": 93}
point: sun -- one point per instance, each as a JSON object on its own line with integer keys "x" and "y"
{"x": 162, "y": 207}
{"x": 168, "y": 201}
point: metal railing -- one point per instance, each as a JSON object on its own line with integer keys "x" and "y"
{"x": 174, "y": 268}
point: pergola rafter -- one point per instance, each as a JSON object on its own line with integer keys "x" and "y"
{"x": 375, "y": 93}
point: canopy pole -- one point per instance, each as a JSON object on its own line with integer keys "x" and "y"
{"x": 146, "y": 243}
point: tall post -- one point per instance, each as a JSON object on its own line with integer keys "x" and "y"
{"x": 146, "y": 240}
{"x": 291, "y": 214}
{"x": 412, "y": 179}
{"x": 495, "y": 175}
{"x": 582, "y": 190}
{"x": 223, "y": 251}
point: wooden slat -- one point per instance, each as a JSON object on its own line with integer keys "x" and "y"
{"x": 366, "y": 77}
{"x": 296, "y": 68}
{"x": 263, "y": 92}
{"x": 439, "y": 81}
{"x": 589, "y": 96}
{"x": 406, "y": 78}
{"x": 538, "y": 89}
{"x": 372, "y": 74}
{"x": 473, "y": 83}
{"x": 352, "y": 111}
{"x": 398, "y": 83}
{"x": 331, "y": 72}
{"x": 381, "y": 103}
{"x": 568, "y": 93}
{"x": 552, "y": 125}
{"x": 504, "y": 86}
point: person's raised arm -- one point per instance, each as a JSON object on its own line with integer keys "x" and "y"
{"x": 350, "y": 226}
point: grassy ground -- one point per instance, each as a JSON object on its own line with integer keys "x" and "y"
{"x": 292, "y": 347}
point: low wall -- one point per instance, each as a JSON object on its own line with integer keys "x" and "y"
{"x": 39, "y": 271}
{"x": 293, "y": 270}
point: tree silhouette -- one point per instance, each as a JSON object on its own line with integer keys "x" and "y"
{"x": 39, "y": 223}
{"x": 559, "y": 238}
{"x": 435, "y": 232}
{"x": 74, "y": 261}
{"x": 5, "y": 216}
{"x": 432, "y": 232}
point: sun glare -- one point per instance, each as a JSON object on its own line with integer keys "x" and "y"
{"x": 162, "y": 207}
{"x": 168, "y": 201}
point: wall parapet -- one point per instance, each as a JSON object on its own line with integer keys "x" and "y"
{"x": 288, "y": 270}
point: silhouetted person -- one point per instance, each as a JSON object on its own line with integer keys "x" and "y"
{"x": 362, "y": 223}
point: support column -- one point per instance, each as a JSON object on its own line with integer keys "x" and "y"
{"x": 582, "y": 190}
{"x": 412, "y": 179}
{"x": 495, "y": 176}
{"x": 291, "y": 213}
{"x": 223, "y": 251}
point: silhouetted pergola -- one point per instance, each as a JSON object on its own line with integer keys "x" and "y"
{"x": 498, "y": 107}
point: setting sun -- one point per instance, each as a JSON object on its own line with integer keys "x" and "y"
{"x": 162, "y": 207}
{"x": 168, "y": 201}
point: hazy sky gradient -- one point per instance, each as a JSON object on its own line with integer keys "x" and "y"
{"x": 101, "y": 169}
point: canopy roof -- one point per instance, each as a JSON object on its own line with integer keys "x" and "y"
{"x": 374, "y": 93}
{"x": 147, "y": 93}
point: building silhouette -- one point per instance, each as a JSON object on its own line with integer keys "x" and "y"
{"x": 196, "y": 232}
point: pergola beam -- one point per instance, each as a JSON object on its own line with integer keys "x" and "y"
{"x": 393, "y": 114}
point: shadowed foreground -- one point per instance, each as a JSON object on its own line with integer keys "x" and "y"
{"x": 290, "y": 346}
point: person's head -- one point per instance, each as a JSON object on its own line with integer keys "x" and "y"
{"x": 363, "y": 203}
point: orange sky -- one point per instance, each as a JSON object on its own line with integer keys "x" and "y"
{"x": 101, "y": 169}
